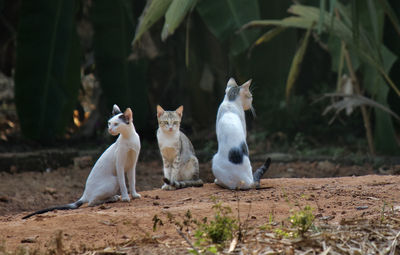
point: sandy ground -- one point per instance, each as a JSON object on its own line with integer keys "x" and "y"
{"x": 119, "y": 224}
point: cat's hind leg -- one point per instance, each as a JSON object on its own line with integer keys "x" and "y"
{"x": 220, "y": 184}
{"x": 112, "y": 199}
{"x": 167, "y": 187}
{"x": 105, "y": 192}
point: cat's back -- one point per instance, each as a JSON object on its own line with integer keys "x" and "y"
{"x": 186, "y": 143}
{"x": 105, "y": 163}
{"x": 229, "y": 107}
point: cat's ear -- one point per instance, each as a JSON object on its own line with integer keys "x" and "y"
{"x": 179, "y": 111}
{"x": 246, "y": 85}
{"x": 231, "y": 83}
{"x": 128, "y": 115}
{"x": 160, "y": 111}
{"x": 116, "y": 110}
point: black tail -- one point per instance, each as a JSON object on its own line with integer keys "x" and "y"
{"x": 184, "y": 184}
{"x": 71, "y": 206}
{"x": 260, "y": 172}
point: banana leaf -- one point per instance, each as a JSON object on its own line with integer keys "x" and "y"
{"x": 266, "y": 37}
{"x": 47, "y": 75}
{"x": 296, "y": 64}
{"x": 224, "y": 17}
{"x": 384, "y": 134}
{"x": 174, "y": 16}
{"x": 391, "y": 14}
{"x": 153, "y": 11}
{"x": 368, "y": 48}
{"x": 308, "y": 15}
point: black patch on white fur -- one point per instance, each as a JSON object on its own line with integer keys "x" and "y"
{"x": 122, "y": 117}
{"x": 233, "y": 93}
{"x": 236, "y": 153}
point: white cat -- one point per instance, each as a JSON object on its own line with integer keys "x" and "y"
{"x": 231, "y": 165}
{"x": 107, "y": 178}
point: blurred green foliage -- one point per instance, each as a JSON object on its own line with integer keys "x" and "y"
{"x": 47, "y": 74}
{"x": 185, "y": 51}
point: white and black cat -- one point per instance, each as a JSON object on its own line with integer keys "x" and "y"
{"x": 180, "y": 165}
{"x": 107, "y": 178}
{"x": 231, "y": 164}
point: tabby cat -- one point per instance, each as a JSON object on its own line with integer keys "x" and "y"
{"x": 180, "y": 165}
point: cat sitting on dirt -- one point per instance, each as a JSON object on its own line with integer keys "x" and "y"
{"x": 231, "y": 164}
{"x": 107, "y": 178}
{"x": 180, "y": 165}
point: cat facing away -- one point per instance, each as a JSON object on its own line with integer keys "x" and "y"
{"x": 231, "y": 164}
{"x": 180, "y": 165}
{"x": 107, "y": 178}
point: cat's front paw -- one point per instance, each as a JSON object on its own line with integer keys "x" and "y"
{"x": 136, "y": 195}
{"x": 125, "y": 199}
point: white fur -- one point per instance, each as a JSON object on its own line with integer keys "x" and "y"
{"x": 168, "y": 140}
{"x": 107, "y": 177}
{"x": 231, "y": 131}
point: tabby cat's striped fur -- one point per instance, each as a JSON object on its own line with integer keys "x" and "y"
{"x": 180, "y": 165}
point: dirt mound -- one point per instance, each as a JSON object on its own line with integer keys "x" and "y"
{"x": 130, "y": 225}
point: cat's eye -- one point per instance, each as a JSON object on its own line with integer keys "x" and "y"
{"x": 163, "y": 122}
{"x": 109, "y": 123}
{"x": 176, "y": 122}
{"x": 115, "y": 124}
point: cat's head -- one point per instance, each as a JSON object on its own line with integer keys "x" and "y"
{"x": 119, "y": 122}
{"x": 235, "y": 92}
{"x": 169, "y": 121}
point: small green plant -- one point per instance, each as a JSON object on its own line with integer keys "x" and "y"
{"x": 383, "y": 212}
{"x": 284, "y": 233}
{"x": 211, "y": 235}
{"x": 157, "y": 222}
{"x": 302, "y": 220}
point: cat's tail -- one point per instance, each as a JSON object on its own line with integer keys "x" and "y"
{"x": 70, "y": 206}
{"x": 184, "y": 184}
{"x": 260, "y": 172}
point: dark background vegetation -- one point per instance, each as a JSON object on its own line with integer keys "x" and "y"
{"x": 72, "y": 60}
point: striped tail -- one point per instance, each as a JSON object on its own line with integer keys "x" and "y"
{"x": 260, "y": 172}
{"x": 184, "y": 184}
{"x": 70, "y": 206}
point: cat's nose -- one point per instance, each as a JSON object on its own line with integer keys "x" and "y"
{"x": 170, "y": 129}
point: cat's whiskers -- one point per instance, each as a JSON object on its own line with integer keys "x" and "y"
{"x": 253, "y": 111}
